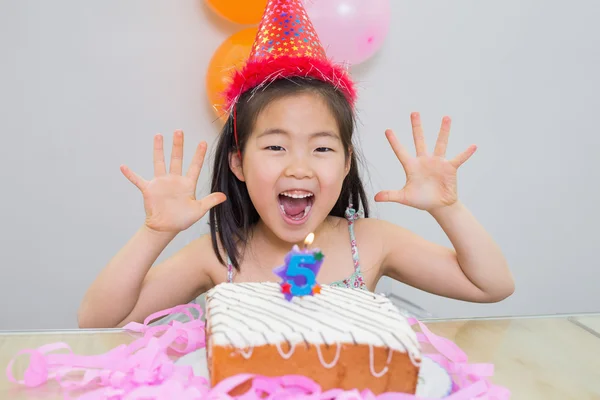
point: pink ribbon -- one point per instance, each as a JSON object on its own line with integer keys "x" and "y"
{"x": 144, "y": 370}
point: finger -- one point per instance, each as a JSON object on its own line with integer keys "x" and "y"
{"x": 133, "y": 177}
{"x": 177, "y": 154}
{"x": 396, "y": 196}
{"x": 399, "y": 150}
{"x": 159, "y": 156}
{"x": 208, "y": 202}
{"x": 442, "y": 141}
{"x": 464, "y": 156}
{"x": 417, "y": 129}
{"x": 197, "y": 161}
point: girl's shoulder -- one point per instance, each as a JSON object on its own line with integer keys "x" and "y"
{"x": 369, "y": 224}
{"x": 360, "y": 223}
{"x": 364, "y": 228}
{"x": 200, "y": 254}
{"x": 370, "y": 235}
{"x": 378, "y": 231}
{"x": 210, "y": 262}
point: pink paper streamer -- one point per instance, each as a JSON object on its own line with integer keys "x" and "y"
{"x": 144, "y": 370}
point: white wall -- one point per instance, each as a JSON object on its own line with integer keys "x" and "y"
{"x": 85, "y": 85}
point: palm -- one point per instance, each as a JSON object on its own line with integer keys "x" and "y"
{"x": 170, "y": 203}
{"x": 170, "y": 198}
{"x": 430, "y": 178}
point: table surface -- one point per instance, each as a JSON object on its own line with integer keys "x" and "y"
{"x": 544, "y": 357}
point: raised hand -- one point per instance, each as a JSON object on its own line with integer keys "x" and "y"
{"x": 430, "y": 178}
{"x": 170, "y": 197}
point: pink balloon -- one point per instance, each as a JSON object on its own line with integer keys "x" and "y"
{"x": 351, "y": 31}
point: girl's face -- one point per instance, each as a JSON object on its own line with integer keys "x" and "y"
{"x": 294, "y": 165}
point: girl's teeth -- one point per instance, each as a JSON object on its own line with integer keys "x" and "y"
{"x": 306, "y": 210}
{"x": 297, "y": 196}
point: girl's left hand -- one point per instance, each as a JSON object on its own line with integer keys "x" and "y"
{"x": 430, "y": 178}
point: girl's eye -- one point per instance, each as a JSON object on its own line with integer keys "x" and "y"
{"x": 274, "y": 148}
{"x": 323, "y": 149}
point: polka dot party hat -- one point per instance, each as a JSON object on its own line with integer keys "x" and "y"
{"x": 286, "y": 46}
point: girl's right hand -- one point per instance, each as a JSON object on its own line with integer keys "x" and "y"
{"x": 170, "y": 198}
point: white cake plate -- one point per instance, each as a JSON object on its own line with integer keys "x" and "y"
{"x": 434, "y": 381}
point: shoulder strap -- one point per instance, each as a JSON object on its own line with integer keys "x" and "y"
{"x": 229, "y": 271}
{"x": 352, "y": 216}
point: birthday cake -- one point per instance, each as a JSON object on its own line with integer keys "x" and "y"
{"x": 341, "y": 338}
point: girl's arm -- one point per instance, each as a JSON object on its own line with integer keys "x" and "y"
{"x": 477, "y": 254}
{"x": 475, "y": 270}
{"x": 128, "y": 289}
{"x": 114, "y": 293}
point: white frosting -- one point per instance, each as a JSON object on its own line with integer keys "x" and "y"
{"x": 245, "y": 315}
{"x": 416, "y": 361}
{"x": 246, "y": 353}
{"x": 372, "y": 363}
{"x": 283, "y": 354}
{"x": 335, "y": 359}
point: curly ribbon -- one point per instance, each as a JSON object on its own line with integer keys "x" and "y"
{"x": 143, "y": 369}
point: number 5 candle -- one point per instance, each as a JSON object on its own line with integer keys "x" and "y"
{"x": 300, "y": 271}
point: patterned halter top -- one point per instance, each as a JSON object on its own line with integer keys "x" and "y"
{"x": 355, "y": 280}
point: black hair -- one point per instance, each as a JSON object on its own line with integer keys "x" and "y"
{"x": 231, "y": 221}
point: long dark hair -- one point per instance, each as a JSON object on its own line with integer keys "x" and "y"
{"x": 231, "y": 221}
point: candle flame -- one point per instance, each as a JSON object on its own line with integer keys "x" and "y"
{"x": 309, "y": 239}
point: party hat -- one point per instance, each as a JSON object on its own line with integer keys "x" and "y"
{"x": 286, "y": 46}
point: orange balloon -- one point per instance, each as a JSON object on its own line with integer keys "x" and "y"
{"x": 230, "y": 55}
{"x": 246, "y": 12}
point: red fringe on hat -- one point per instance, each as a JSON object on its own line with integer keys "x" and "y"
{"x": 257, "y": 74}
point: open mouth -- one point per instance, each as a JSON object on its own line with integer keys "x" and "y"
{"x": 295, "y": 205}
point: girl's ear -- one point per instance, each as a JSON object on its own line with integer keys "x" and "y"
{"x": 235, "y": 164}
{"x": 348, "y": 161}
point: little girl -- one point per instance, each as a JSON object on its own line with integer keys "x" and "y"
{"x": 285, "y": 166}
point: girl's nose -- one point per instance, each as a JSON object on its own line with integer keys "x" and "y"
{"x": 299, "y": 168}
